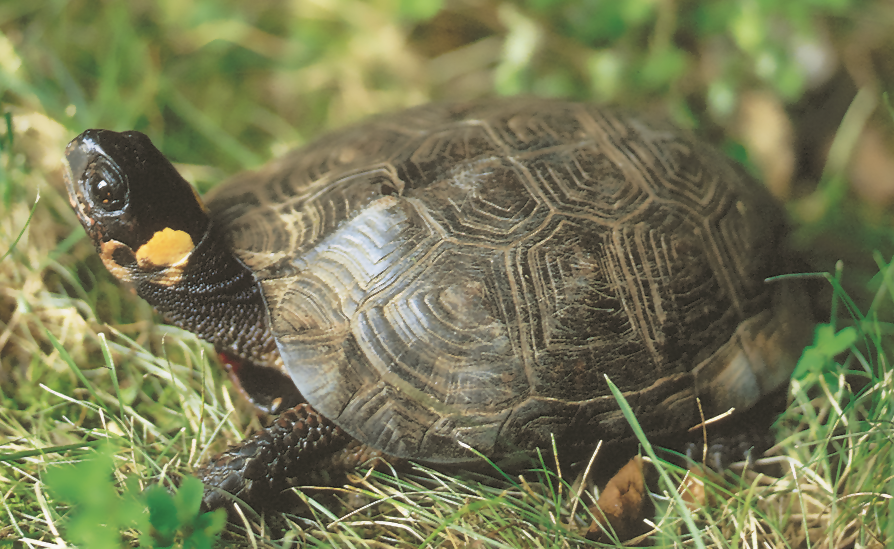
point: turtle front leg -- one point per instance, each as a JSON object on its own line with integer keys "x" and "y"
{"x": 295, "y": 449}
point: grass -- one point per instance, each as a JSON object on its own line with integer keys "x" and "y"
{"x": 223, "y": 86}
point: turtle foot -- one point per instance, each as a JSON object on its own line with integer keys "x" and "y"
{"x": 259, "y": 470}
{"x": 720, "y": 454}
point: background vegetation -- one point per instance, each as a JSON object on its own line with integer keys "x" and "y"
{"x": 794, "y": 89}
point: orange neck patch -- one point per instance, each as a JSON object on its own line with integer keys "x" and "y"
{"x": 166, "y": 248}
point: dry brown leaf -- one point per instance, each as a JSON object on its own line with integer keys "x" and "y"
{"x": 621, "y": 505}
{"x": 692, "y": 490}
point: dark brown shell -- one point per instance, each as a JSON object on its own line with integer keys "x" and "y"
{"x": 472, "y": 273}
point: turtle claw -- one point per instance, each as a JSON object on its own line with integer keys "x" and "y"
{"x": 720, "y": 455}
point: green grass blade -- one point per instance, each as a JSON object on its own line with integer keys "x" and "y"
{"x": 665, "y": 479}
{"x": 24, "y": 228}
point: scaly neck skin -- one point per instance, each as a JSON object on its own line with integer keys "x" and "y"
{"x": 216, "y": 298}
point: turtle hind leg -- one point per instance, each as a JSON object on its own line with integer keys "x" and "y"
{"x": 299, "y": 446}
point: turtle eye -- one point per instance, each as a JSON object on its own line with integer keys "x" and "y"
{"x": 107, "y": 187}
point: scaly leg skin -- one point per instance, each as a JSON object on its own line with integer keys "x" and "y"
{"x": 300, "y": 447}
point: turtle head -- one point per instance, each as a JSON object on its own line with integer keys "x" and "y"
{"x": 143, "y": 217}
{"x": 152, "y": 231}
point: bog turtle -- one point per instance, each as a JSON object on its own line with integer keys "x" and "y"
{"x": 458, "y": 276}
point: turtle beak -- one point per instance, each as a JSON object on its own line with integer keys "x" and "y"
{"x": 76, "y": 156}
{"x": 75, "y": 162}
